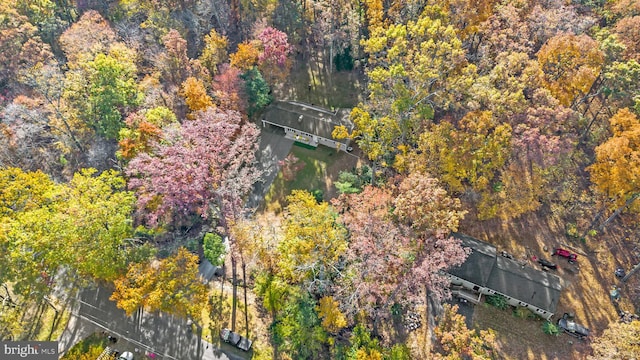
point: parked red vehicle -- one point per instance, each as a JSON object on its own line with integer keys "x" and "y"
{"x": 566, "y": 254}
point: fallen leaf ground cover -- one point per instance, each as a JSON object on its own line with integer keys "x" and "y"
{"x": 586, "y": 285}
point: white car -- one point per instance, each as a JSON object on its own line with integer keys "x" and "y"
{"x": 126, "y": 356}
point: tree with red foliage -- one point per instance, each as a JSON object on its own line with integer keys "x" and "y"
{"x": 228, "y": 88}
{"x": 397, "y": 247}
{"x": 546, "y": 132}
{"x": 375, "y": 254}
{"x": 275, "y": 45}
{"x": 273, "y": 59}
{"x": 204, "y": 167}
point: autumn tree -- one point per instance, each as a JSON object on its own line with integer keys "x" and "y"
{"x": 502, "y": 89}
{"x": 427, "y": 207}
{"x": 555, "y": 18}
{"x": 546, "y": 132}
{"x": 174, "y": 63}
{"x": 570, "y": 63}
{"x": 195, "y": 94}
{"x": 142, "y": 130}
{"x": 246, "y": 57}
{"x": 376, "y": 252}
{"x": 617, "y": 165}
{"x": 104, "y": 90}
{"x": 229, "y": 89}
{"x": 627, "y": 31}
{"x": 20, "y": 46}
{"x": 28, "y": 261}
{"x": 83, "y": 227}
{"x": 543, "y": 138}
{"x": 504, "y": 32}
{"x": 98, "y": 209}
{"x": 414, "y": 69}
{"x": 51, "y": 17}
{"x": 456, "y": 341}
{"x": 313, "y": 242}
{"x": 86, "y": 38}
{"x": 203, "y": 167}
{"x": 273, "y": 58}
{"x": 374, "y": 15}
{"x": 169, "y": 285}
{"x": 469, "y": 157}
{"x": 23, "y": 193}
{"x": 51, "y": 90}
{"x": 389, "y": 261}
{"x": 332, "y": 318}
{"x": 214, "y": 52}
{"x": 624, "y": 8}
{"x": 25, "y": 137}
{"x": 468, "y": 15}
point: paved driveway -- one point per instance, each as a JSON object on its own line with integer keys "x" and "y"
{"x": 274, "y": 147}
{"x": 167, "y": 336}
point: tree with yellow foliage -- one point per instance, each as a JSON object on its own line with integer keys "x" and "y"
{"x": 374, "y": 14}
{"x": 470, "y": 157}
{"x": 214, "y": 52}
{"x": 456, "y": 341}
{"x": 570, "y": 63}
{"x": 472, "y": 154}
{"x": 195, "y": 95}
{"x": 313, "y": 242}
{"x": 170, "y": 285}
{"x": 616, "y": 171}
{"x": 143, "y": 129}
{"x": 414, "y": 69}
{"x": 332, "y": 318}
{"x": 246, "y": 57}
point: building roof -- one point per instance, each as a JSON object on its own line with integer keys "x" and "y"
{"x": 484, "y": 268}
{"x": 307, "y": 118}
{"x": 478, "y": 265}
{"x": 535, "y": 287}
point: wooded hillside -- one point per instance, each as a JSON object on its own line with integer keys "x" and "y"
{"x": 130, "y": 129}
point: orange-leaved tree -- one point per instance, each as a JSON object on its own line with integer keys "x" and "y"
{"x": 246, "y": 57}
{"x": 616, "y": 171}
{"x": 195, "y": 94}
{"x": 571, "y": 63}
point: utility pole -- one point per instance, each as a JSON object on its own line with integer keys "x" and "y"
{"x": 634, "y": 270}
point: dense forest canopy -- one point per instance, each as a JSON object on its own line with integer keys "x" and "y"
{"x": 128, "y": 128}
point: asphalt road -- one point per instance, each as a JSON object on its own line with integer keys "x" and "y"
{"x": 167, "y": 336}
